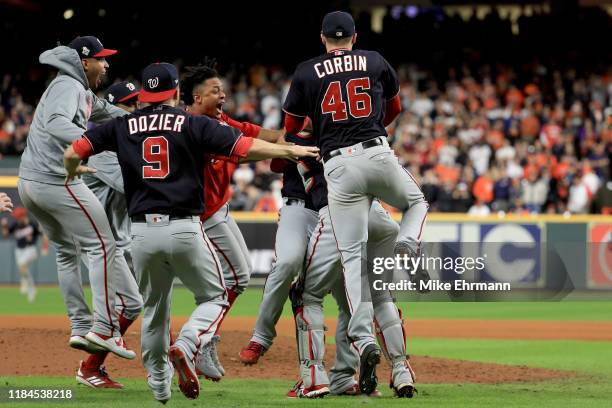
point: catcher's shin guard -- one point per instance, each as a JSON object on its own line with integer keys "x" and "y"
{"x": 311, "y": 346}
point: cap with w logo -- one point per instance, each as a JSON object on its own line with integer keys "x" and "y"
{"x": 159, "y": 82}
{"x": 89, "y": 46}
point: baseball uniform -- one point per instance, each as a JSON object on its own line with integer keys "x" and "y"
{"x": 69, "y": 213}
{"x": 161, "y": 153}
{"x": 343, "y": 93}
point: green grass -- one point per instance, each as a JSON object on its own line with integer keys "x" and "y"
{"x": 590, "y": 359}
{"x": 49, "y": 302}
{"x": 258, "y": 393}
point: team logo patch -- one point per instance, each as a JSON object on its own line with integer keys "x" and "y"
{"x": 111, "y": 97}
{"x": 130, "y": 86}
{"x": 85, "y": 51}
{"x": 153, "y": 82}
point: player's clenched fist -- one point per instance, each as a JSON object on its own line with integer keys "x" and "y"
{"x": 6, "y": 205}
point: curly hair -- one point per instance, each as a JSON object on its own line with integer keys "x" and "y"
{"x": 196, "y": 75}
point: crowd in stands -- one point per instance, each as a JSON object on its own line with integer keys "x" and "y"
{"x": 523, "y": 137}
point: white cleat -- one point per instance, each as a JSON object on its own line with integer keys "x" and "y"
{"x": 115, "y": 345}
{"x": 81, "y": 343}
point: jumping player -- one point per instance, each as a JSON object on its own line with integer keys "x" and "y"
{"x": 161, "y": 153}
{"x": 350, "y": 96}
{"x": 204, "y": 94}
{"x": 68, "y": 212}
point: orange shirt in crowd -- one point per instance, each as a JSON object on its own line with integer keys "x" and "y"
{"x": 530, "y": 126}
{"x": 483, "y": 189}
{"x": 446, "y": 173}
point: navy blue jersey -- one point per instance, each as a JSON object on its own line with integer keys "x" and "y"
{"x": 344, "y": 93}
{"x": 161, "y": 153}
{"x": 25, "y": 235}
{"x": 310, "y": 173}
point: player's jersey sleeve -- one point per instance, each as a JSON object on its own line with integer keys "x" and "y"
{"x": 390, "y": 82}
{"x": 211, "y": 136}
{"x": 295, "y": 103}
{"x": 103, "y": 137}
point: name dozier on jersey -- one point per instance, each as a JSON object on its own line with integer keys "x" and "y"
{"x": 345, "y": 63}
{"x": 437, "y": 285}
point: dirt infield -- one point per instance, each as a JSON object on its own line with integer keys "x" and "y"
{"x": 38, "y": 346}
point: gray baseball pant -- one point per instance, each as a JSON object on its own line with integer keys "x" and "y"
{"x": 162, "y": 250}
{"x": 353, "y": 179}
{"x": 226, "y": 238}
{"x": 323, "y": 273}
{"x": 295, "y": 226}
{"x": 74, "y": 220}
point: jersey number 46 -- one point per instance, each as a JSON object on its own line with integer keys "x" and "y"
{"x": 155, "y": 152}
{"x": 360, "y": 103}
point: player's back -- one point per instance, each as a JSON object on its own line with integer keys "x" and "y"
{"x": 161, "y": 153}
{"x": 344, "y": 93}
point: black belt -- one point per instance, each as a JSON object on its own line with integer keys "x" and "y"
{"x": 365, "y": 145}
{"x": 142, "y": 217}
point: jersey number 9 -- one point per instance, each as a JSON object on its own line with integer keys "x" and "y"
{"x": 155, "y": 152}
{"x": 360, "y": 103}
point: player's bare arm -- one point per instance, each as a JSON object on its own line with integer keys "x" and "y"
{"x": 261, "y": 150}
{"x": 72, "y": 163}
{"x": 6, "y": 204}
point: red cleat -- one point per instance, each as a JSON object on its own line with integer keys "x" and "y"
{"x": 95, "y": 377}
{"x": 188, "y": 380}
{"x": 251, "y": 353}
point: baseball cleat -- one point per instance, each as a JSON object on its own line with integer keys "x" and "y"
{"x": 188, "y": 380}
{"x": 95, "y": 377}
{"x": 354, "y": 390}
{"x": 115, "y": 345}
{"x": 370, "y": 358}
{"x": 317, "y": 391}
{"x": 81, "y": 343}
{"x": 251, "y": 353}
{"x": 404, "y": 390}
{"x": 403, "y": 379}
{"x": 420, "y": 274}
{"x": 296, "y": 389}
{"x": 205, "y": 365}
{"x": 215, "y": 355}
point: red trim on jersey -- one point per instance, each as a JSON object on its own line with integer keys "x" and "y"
{"x": 393, "y": 108}
{"x": 83, "y": 147}
{"x": 212, "y": 253}
{"x": 294, "y": 124}
{"x": 241, "y": 148}
{"x": 93, "y": 224}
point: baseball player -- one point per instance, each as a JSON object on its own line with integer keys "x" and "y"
{"x": 26, "y": 235}
{"x": 161, "y": 153}
{"x": 297, "y": 220}
{"x": 321, "y": 275}
{"x": 6, "y": 204}
{"x": 204, "y": 94}
{"x": 107, "y": 185}
{"x": 69, "y": 213}
{"x": 350, "y": 96}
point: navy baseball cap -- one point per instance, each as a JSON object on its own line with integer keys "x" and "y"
{"x": 90, "y": 47}
{"x": 338, "y": 24}
{"x": 159, "y": 82}
{"x": 122, "y": 92}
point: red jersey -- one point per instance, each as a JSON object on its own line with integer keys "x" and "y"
{"x": 218, "y": 171}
